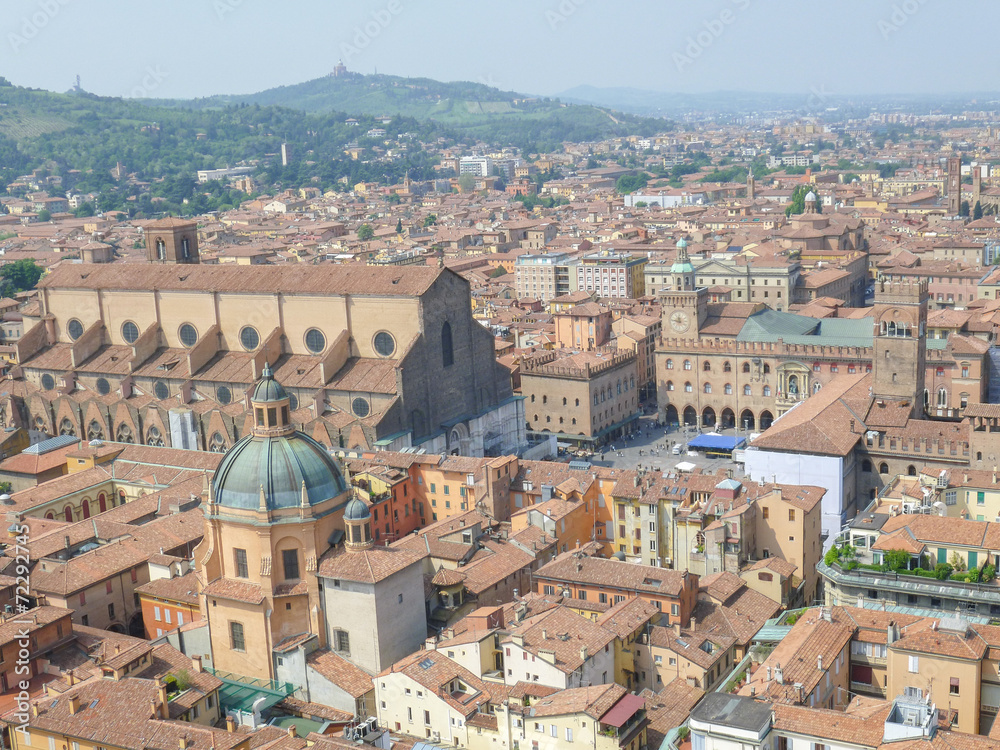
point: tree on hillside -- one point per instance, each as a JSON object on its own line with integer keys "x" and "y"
{"x": 466, "y": 183}
{"x": 963, "y": 210}
{"x": 365, "y": 232}
{"x": 44, "y": 216}
{"x": 19, "y": 276}
{"x": 797, "y": 203}
{"x": 629, "y": 183}
{"x": 977, "y": 212}
{"x": 399, "y": 226}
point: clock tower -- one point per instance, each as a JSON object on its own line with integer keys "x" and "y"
{"x": 685, "y": 307}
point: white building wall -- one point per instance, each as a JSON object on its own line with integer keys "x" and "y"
{"x": 402, "y": 712}
{"x": 800, "y": 468}
{"x": 384, "y": 622}
{"x": 521, "y": 665}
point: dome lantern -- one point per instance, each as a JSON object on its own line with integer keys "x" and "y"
{"x": 270, "y": 404}
{"x": 275, "y": 467}
{"x": 357, "y": 526}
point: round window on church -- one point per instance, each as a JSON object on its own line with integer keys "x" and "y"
{"x": 293, "y": 402}
{"x": 103, "y": 386}
{"x": 75, "y": 329}
{"x": 130, "y": 332}
{"x": 384, "y": 344}
{"x": 48, "y": 382}
{"x": 160, "y": 390}
{"x": 223, "y": 395}
{"x": 315, "y": 341}
{"x": 360, "y": 408}
{"x": 249, "y": 338}
{"x": 188, "y": 335}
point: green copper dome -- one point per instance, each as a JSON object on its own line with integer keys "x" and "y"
{"x": 683, "y": 263}
{"x": 279, "y": 464}
{"x": 267, "y": 388}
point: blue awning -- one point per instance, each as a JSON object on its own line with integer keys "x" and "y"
{"x": 712, "y": 442}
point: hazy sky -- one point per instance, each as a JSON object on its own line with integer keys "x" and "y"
{"x": 187, "y": 48}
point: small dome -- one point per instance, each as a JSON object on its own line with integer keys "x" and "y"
{"x": 267, "y": 388}
{"x": 810, "y": 197}
{"x": 618, "y": 556}
{"x": 279, "y": 464}
{"x": 681, "y": 243}
{"x": 356, "y": 510}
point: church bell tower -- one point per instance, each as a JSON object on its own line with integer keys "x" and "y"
{"x": 900, "y": 325}
{"x": 172, "y": 241}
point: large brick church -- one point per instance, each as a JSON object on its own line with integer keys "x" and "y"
{"x": 164, "y": 353}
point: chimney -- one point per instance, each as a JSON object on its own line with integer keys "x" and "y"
{"x": 71, "y": 678}
{"x": 890, "y": 635}
{"x": 545, "y": 634}
{"x": 293, "y": 731}
{"x": 161, "y": 697}
{"x": 68, "y": 545}
{"x": 34, "y": 709}
{"x": 768, "y": 674}
{"x": 230, "y": 724}
{"x": 819, "y": 662}
{"x": 778, "y": 675}
{"x": 677, "y": 628}
{"x": 153, "y": 709}
{"x": 182, "y": 742}
{"x": 74, "y": 704}
{"x": 583, "y": 653}
{"x": 196, "y": 663}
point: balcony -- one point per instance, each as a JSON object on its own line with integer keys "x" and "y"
{"x": 865, "y": 688}
{"x": 873, "y": 661}
{"x": 951, "y": 593}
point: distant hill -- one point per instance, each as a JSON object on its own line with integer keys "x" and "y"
{"x": 474, "y": 109}
{"x": 814, "y": 101}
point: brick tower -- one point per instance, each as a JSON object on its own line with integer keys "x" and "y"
{"x": 172, "y": 241}
{"x": 900, "y": 324}
{"x": 954, "y": 185}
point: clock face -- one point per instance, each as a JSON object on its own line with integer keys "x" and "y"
{"x": 679, "y": 321}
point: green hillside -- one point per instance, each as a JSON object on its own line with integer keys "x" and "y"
{"x": 82, "y": 137}
{"x": 471, "y": 109}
